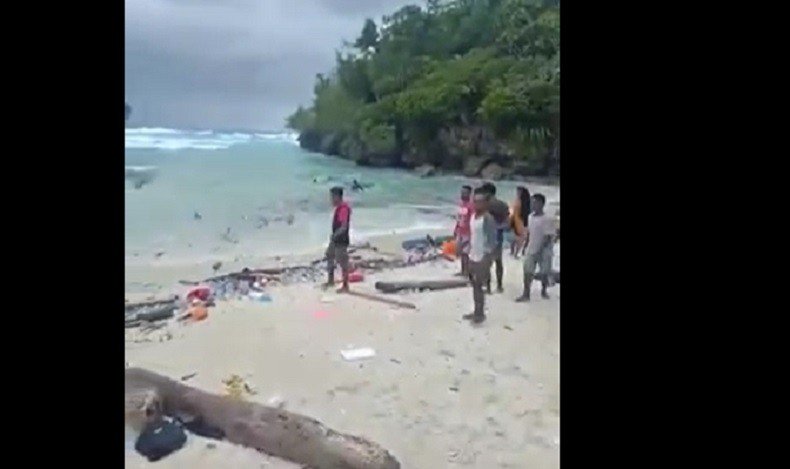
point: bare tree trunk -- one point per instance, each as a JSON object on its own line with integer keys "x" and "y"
{"x": 279, "y": 433}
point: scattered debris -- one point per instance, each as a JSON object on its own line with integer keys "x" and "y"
{"x": 236, "y": 387}
{"x": 276, "y": 401}
{"x": 357, "y": 354}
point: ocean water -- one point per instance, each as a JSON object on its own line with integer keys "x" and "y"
{"x": 237, "y": 182}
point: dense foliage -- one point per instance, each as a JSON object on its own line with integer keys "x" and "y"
{"x": 445, "y": 83}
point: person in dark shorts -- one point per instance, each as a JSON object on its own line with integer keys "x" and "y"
{"x": 482, "y": 245}
{"x": 540, "y": 248}
{"x": 501, "y": 213}
{"x": 337, "y": 251}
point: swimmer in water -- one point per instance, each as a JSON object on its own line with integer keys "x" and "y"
{"x": 197, "y": 216}
{"x": 356, "y": 186}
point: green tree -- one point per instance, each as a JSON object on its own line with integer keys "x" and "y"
{"x": 483, "y": 64}
{"x": 369, "y": 38}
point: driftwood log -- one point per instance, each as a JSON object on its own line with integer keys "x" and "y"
{"x": 147, "y": 304}
{"x": 392, "y": 287}
{"x": 276, "y": 432}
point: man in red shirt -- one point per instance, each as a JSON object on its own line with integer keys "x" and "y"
{"x": 339, "y": 239}
{"x": 462, "y": 230}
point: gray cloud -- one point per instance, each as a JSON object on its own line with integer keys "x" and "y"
{"x": 233, "y": 63}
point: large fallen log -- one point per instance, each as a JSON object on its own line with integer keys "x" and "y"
{"x": 145, "y": 304}
{"x": 271, "y": 430}
{"x": 392, "y": 287}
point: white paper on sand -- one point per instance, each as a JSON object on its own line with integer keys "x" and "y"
{"x": 357, "y": 354}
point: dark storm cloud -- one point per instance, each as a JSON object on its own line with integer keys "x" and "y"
{"x": 233, "y": 63}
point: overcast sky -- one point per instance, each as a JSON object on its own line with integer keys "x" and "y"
{"x": 234, "y": 63}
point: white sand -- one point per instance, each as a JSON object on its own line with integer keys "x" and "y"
{"x": 439, "y": 393}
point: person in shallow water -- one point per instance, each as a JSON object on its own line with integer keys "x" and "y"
{"x": 501, "y": 213}
{"x": 337, "y": 251}
{"x": 540, "y": 248}
{"x": 482, "y": 248}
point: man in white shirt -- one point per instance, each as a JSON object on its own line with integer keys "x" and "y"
{"x": 540, "y": 248}
{"x": 482, "y": 247}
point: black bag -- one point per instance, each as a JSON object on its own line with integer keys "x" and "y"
{"x": 160, "y": 439}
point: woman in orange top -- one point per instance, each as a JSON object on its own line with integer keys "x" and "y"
{"x": 518, "y": 220}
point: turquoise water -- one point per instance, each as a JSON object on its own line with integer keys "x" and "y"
{"x": 233, "y": 180}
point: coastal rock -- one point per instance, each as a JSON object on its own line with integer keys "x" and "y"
{"x": 492, "y": 172}
{"x": 378, "y": 160}
{"x": 522, "y": 168}
{"x": 330, "y": 144}
{"x": 310, "y": 140}
{"x": 426, "y": 170}
{"x": 474, "y": 164}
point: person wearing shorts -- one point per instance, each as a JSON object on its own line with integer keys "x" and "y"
{"x": 462, "y": 230}
{"x": 501, "y": 214}
{"x": 337, "y": 251}
{"x": 540, "y": 248}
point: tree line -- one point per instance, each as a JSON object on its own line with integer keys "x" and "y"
{"x": 454, "y": 83}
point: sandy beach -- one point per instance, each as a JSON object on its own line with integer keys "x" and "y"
{"x": 439, "y": 392}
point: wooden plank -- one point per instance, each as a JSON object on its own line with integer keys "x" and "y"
{"x": 369, "y": 296}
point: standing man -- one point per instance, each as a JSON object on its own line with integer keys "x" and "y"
{"x": 540, "y": 248}
{"x": 339, "y": 240}
{"x": 482, "y": 244}
{"x": 461, "y": 232}
{"x": 501, "y": 213}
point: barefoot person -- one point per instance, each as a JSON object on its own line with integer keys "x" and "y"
{"x": 518, "y": 220}
{"x": 337, "y": 252}
{"x": 482, "y": 247}
{"x": 461, "y": 232}
{"x": 540, "y": 248}
{"x": 501, "y": 213}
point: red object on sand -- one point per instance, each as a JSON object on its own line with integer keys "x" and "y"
{"x": 320, "y": 314}
{"x": 199, "y": 293}
{"x": 356, "y": 276}
{"x": 353, "y": 277}
{"x": 198, "y": 312}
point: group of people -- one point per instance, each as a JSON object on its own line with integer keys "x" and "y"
{"x": 483, "y": 221}
{"x": 481, "y": 226}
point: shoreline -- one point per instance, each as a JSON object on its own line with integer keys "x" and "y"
{"x": 157, "y": 278}
{"x": 544, "y": 180}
